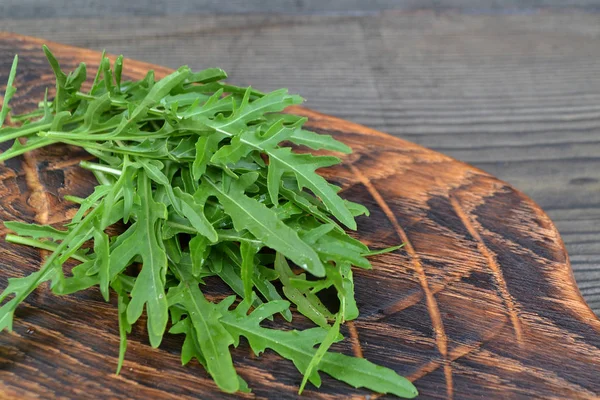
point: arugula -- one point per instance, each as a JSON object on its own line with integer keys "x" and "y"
{"x": 202, "y": 175}
{"x": 212, "y": 338}
{"x": 298, "y": 346}
{"x": 10, "y": 90}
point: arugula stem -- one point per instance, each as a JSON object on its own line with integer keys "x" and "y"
{"x": 74, "y": 199}
{"x": 23, "y": 132}
{"x": 96, "y": 146}
{"x": 236, "y": 238}
{"x": 28, "y": 130}
{"x": 101, "y": 177}
{"x": 44, "y": 245}
{"x": 382, "y": 251}
{"x": 118, "y": 103}
{"x": 100, "y": 167}
{"x": 27, "y": 147}
{"x": 27, "y": 116}
{"x": 99, "y": 134}
{"x": 181, "y": 227}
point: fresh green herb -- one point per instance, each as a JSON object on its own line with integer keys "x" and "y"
{"x": 198, "y": 171}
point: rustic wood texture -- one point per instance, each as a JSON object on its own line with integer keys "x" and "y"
{"x": 91, "y": 8}
{"x": 515, "y": 92}
{"x": 480, "y": 302}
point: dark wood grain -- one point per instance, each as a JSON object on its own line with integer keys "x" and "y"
{"x": 480, "y": 302}
{"x": 516, "y": 94}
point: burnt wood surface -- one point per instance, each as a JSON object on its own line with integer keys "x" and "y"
{"x": 481, "y": 301}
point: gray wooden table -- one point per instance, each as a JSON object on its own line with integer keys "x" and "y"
{"x": 513, "y": 89}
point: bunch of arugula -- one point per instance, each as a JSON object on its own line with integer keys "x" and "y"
{"x": 196, "y": 169}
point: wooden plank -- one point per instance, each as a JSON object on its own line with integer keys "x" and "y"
{"x": 479, "y": 302}
{"x": 90, "y": 8}
{"x": 516, "y": 95}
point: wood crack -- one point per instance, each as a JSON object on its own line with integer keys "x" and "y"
{"x": 356, "y": 346}
{"x": 456, "y": 353}
{"x": 441, "y": 339}
{"x": 507, "y": 299}
{"x": 38, "y": 198}
{"x": 413, "y": 298}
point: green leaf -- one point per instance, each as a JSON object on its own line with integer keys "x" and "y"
{"x": 281, "y": 160}
{"x": 332, "y": 334}
{"x": 213, "y": 339}
{"x": 307, "y": 303}
{"x": 36, "y": 231}
{"x": 76, "y": 78}
{"x": 195, "y": 169}
{"x": 102, "y": 261}
{"x": 108, "y": 75}
{"x": 61, "y": 80}
{"x": 22, "y": 287}
{"x": 228, "y": 274}
{"x": 260, "y": 278}
{"x": 248, "y": 252}
{"x": 96, "y": 80}
{"x": 248, "y": 111}
{"x": 382, "y": 251}
{"x": 120, "y": 288}
{"x": 185, "y": 150}
{"x": 193, "y": 209}
{"x": 340, "y": 251}
{"x": 215, "y": 104}
{"x": 303, "y": 166}
{"x": 288, "y": 210}
{"x": 173, "y": 249}
{"x": 123, "y": 188}
{"x": 153, "y": 169}
{"x": 109, "y": 194}
{"x": 298, "y": 346}
{"x": 359, "y": 372}
{"x": 49, "y": 245}
{"x": 306, "y": 202}
{"x": 253, "y": 139}
{"x": 59, "y": 120}
{"x": 294, "y": 345}
{"x": 142, "y": 239}
{"x": 18, "y": 148}
{"x": 158, "y": 91}
{"x": 10, "y": 91}
{"x": 263, "y": 223}
{"x": 205, "y": 148}
{"x": 331, "y": 244}
{"x": 199, "y": 251}
{"x": 190, "y": 349}
{"x": 356, "y": 209}
{"x": 80, "y": 279}
{"x": 94, "y": 114}
{"x": 347, "y": 294}
{"x": 118, "y": 71}
{"x": 208, "y": 75}
{"x": 318, "y": 141}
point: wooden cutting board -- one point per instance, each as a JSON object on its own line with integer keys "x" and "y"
{"x": 480, "y": 303}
